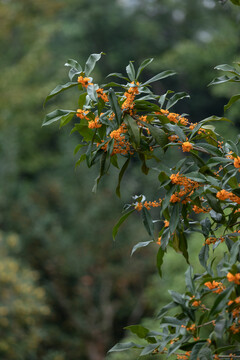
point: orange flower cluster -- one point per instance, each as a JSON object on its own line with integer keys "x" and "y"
{"x": 188, "y": 188}
{"x": 199, "y": 210}
{"x": 237, "y": 162}
{"x": 213, "y": 240}
{"x": 234, "y": 278}
{"x": 159, "y": 240}
{"x": 85, "y": 81}
{"x": 82, "y": 113}
{"x": 218, "y": 287}
{"x": 196, "y": 303}
{"x": 187, "y": 146}
{"x": 229, "y": 155}
{"x": 121, "y": 145}
{"x": 225, "y": 195}
{"x": 94, "y": 124}
{"x": 102, "y": 95}
{"x": 128, "y": 104}
{"x": 191, "y": 328}
{"x": 148, "y": 204}
{"x": 173, "y": 138}
{"x": 185, "y": 356}
{"x": 235, "y": 328}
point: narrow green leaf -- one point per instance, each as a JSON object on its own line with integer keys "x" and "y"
{"x": 175, "y": 98}
{"x": 204, "y": 255}
{"x": 226, "y": 67}
{"x": 174, "y": 217}
{"x": 145, "y": 63}
{"x": 124, "y": 346}
{"x": 121, "y": 173}
{"x": 58, "y": 89}
{"x": 177, "y": 131}
{"x": 160, "y": 256}
{"x": 189, "y": 280}
{"x": 147, "y": 221}
{"x": 221, "y": 301}
{"x": 114, "y": 105}
{"x": 119, "y": 223}
{"x": 138, "y": 330}
{"x": 91, "y": 62}
{"x": 133, "y": 128}
{"x": 75, "y": 68}
{"x": 214, "y": 202}
{"x": 232, "y": 101}
{"x": 158, "y": 134}
{"x": 57, "y": 115}
{"x": 140, "y": 245}
{"x": 195, "y": 351}
{"x": 165, "y": 309}
{"x": 131, "y": 71}
{"x": 159, "y": 76}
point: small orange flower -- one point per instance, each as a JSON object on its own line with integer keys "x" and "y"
{"x": 186, "y": 146}
{"x": 166, "y": 223}
{"x": 85, "y": 81}
{"x": 237, "y": 162}
{"x": 234, "y": 278}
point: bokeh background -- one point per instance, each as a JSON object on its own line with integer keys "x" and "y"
{"x": 66, "y": 290}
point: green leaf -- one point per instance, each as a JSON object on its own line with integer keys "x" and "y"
{"x": 160, "y": 76}
{"x": 145, "y": 63}
{"x": 133, "y": 128}
{"x": 163, "y": 98}
{"x": 147, "y": 221}
{"x": 232, "y": 101}
{"x": 175, "y": 98}
{"x": 75, "y": 68}
{"x": 236, "y": 2}
{"x": 124, "y": 346}
{"x": 57, "y": 115}
{"x": 183, "y": 245}
{"x": 236, "y": 191}
{"x": 189, "y": 280}
{"x": 165, "y": 238}
{"x": 114, "y": 105}
{"x": 221, "y": 301}
{"x": 224, "y": 79}
{"x": 204, "y": 255}
{"x": 91, "y": 62}
{"x": 66, "y": 119}
{"x": 224, "y": 349}
{"x": 121, "y": 173}
{"x": 84, "y": 131}
{"x": 195, "y": 351}
{"x": 140, "y": 245}
{"x": 214, "y": 202}
{"x": 213, "y": 118}
{"x": 165, "y": 309}
{"x": 160, "y": 256}
{"x": 158, "y": 134}
{"x": 130, "y": 71}
{"x": 119, "y": 223}
{"x": 138, "y": 330}
{"x": 82, "y": 100}
{"x": 226, "y": 67}
{"x": 172, "y": 321}
{"x": 174, "y": 217}
{"x": 206, "y": 226}
{"x": 177, "y": 131}
{"x": 58, "y": 89}
{"x": 92, "y": 93}
{"x": 205, "y": 354}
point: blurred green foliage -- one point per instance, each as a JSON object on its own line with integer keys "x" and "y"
{"x": 65, "y": 231}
